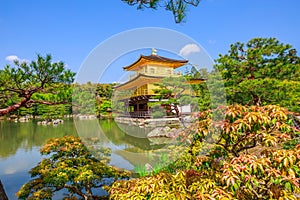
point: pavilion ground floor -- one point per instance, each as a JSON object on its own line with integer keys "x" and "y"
{"x": 139, "y": 111}
{"x": 142, "y": 107}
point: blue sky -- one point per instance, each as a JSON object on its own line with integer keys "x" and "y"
{"x": 70, "y": 30}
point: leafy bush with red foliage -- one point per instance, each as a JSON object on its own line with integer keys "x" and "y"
{"x": 239, "y": 156}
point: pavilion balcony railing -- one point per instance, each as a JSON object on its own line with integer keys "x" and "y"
{"x": 158, "y": 73}
{"x": 138, "y": 114}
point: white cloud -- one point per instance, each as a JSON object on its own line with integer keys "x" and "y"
{"x": 188, "y": 49}
{"x": 12, "y": 58}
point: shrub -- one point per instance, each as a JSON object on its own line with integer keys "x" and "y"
{"x": 68, "y": 165}
{"x": 238, "y": 157}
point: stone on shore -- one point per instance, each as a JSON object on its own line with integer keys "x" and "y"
{"x": 164, "y": 132}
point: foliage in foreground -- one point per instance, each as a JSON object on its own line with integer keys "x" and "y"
{"x": 238, "y": 157}
{"x": 69, "y": 165}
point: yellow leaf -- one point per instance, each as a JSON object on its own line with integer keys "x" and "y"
{"x": 291, "y": 172}
{"x": 285, "y": 162}
{"x": 254, "y": 118}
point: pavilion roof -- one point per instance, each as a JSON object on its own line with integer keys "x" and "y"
{"x": 138, "y": 81}
{"x": 143, "y": 79}
{"x": 155, "y": 59}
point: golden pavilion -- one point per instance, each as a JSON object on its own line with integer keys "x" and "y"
{"x": 148, "y": 70}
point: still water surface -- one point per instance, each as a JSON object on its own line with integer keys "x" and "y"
{"x": 20, "y": 144}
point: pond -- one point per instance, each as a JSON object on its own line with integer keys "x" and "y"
{"x": 20, "y": 144}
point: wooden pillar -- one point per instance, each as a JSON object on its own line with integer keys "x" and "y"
{"x": 137, "y": 109}
{"x": 126, "y": 104}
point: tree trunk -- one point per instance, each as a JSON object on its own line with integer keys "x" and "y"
{"x": 256, "y": 99}
{"x": 2, "y": 192}
{"x": 14, "y": 107}
{"x": 177, "y": 111}
{"x": 89, "y": 195}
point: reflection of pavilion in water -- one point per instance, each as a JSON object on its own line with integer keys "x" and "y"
{"x": 139, "y": 90}
{"x": 134, "y": 148}
{"x": 132, "y": 138}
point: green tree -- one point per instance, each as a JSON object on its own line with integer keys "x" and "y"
{"x": 84, "y": 98}
{"x": 104, "y": 93}
{"x": 105, "y": 90}
{"x": 177, "y": 7}
{"x": 200, "y": 89}
{"x": 173, "y": 92}
{"x": 210, "y": 92}
{"x": 92, "y": 98}
{"x": 69, "y": 165}
{"x": 104, "y": 107}
{"x": 262, "y": 71}
{"x": 39, "y": 82}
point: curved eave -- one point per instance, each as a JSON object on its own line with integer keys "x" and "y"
{"x": 138, "y": 81}
{"x": 154, "y": 59}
